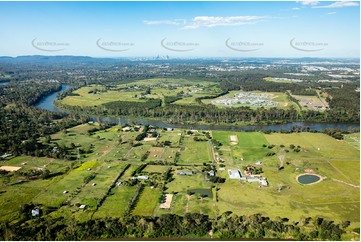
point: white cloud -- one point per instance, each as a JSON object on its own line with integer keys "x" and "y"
{"x": 339, "y": 5}
{"x": 331, "y": 13}
{"x": 295, "y": 8}
{"x": 209, "y": 21}
{"x": 169, "y": 22}
{"x": 213, "y": 21}
{"x": 309, "y": 2}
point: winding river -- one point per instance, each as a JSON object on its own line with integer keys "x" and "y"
{"x": 47, "y": 103}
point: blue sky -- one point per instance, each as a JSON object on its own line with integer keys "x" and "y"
{"x": 181, "y": 29}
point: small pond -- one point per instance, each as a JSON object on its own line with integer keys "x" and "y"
{"x": 205, "y": 192}
{"x": 308, "y": 178}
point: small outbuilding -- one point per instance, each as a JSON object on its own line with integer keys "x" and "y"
{"x": 264, "y": 182}
{"x": 35, "y": 212}
{"x": 140, "y": 177}
{"x": 183, "y": 173}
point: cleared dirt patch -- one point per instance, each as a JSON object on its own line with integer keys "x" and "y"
{"x": 309, "y": 170}
{"x": 167, "y": 202}
{"x": 10, "y": 168}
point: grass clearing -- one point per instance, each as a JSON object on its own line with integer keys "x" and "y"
{"x": 195, "y": 152}
{"x": 156, "y": 169}
{"x": 115, "y": 204}
{"x": 148, "y": 200}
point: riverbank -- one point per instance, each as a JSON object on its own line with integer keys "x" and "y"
{"x": 47, "y": 103}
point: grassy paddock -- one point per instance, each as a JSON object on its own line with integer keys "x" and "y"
{"x": 147, "y": 202}
{"x": 116, "y": 202}
{"x": 195, "y": 152}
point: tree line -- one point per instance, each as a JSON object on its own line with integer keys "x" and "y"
{"x": 171, "y": 226}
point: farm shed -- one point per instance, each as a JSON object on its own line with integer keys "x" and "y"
{"x": 140, "y": 177}
{"x": 183, "y": 173}
{"x": 234, "y": 174}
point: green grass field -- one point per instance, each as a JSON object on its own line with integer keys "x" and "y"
{"x": 147, "y": 202}
{"x": 115, "y": 204}
{"x": 353, "y": 139}
{"x": 336, "y": 197}
{"x": 95, "y": 95}
{"x": 195, "y": 152}
{"x": 53, "y": 195}
{"x": 249, "y": 146}
{"x": 90, "y": 195}
{"x": 155, "y": 169}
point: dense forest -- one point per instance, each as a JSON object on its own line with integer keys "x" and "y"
{"x": 21, "y": 124}
{"x": 210, "y": 114}
{"x": 171, "y": 226}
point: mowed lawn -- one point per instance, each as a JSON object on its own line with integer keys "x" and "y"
{"x": 195, "y": 152}
{"x": 148, "y": 200}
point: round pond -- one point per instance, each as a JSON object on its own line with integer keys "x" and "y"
{"x": 308, "y": 178}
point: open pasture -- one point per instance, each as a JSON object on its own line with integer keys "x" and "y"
{"x": 335, "y": 197}
{"x": 162, "y": 153}
{"x": 95, "y": 95}
{"x": 72, "y": 182}
{"x": 172, "y": 136}
{"x": 353, "y": 139}
{"x": 184, "y": 183}
{"x": 115, "y": 204}
{"x": 195, "y": 152}
{"x": 155, "y": 169}
{"x": 148, "y": 200}
{"x": 13, "y": 196}
{"x": 249, "y": 146}
{"x": 95, "y": 189}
